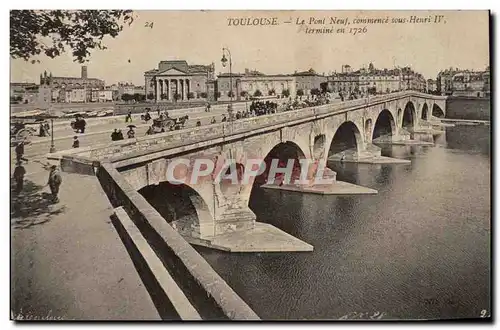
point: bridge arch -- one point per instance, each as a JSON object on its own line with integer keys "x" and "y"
{"x": 347, "y": 137}
{"x": 180, "y": 205}
{"x": 409, "y": 116}
{"x": 385, "y": 126}
{"x": 281, "y": 153}
{"x": 437, "y": 111}
{"x": 425, "y": 112}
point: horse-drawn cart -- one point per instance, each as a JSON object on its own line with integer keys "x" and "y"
{"x": 164, "y": 124}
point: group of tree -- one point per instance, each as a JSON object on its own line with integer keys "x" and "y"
{"x": 16, "y": 99}
{"x": 133, "y": 97}
{"x": 52, "y": 32}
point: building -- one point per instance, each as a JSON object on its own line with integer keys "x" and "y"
{"x": 254, "y": 84}
{"x": 177, "y": 80}
{"x": 23, "y": 92}
{"x": 105, "y": 96}
{"x": 431, "y": 86}
{"x": 375, "y": 81}
{"x": 343, "y": 82}
{"x": 71, "y": 82}
{"x": 308, "y": 80}
{"x": 75, "y": 95}
{"x": 464, "y": 82}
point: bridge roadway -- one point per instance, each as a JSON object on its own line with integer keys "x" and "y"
{"x": 99, "y": 129}
{"x": 222, "y": 217}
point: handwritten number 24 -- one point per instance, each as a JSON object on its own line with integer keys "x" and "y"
{"x": 149, "y": 25}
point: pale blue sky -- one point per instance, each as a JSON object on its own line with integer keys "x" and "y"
{"x": 199, "y": 36}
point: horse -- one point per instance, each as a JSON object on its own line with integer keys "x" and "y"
{"x": 181, "y": 121}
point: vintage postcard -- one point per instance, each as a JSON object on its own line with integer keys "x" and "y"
{"x": 250, "y": 165}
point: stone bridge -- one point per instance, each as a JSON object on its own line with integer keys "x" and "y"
{"x": 216, "y": 214}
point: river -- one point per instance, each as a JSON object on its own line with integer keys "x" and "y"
{"x": 419, "y": 249}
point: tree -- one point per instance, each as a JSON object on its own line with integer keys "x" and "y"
{"x": 139, "y": 97}
{"x": 230, "y": 94}
{"x": 285, "y": 93}
{"x": 177, "y": 96}
{"x": 204, "y": 95}
{"x": 315, "y": 91}
{"x": 50, "y": 32}
{"x": 127, "y": 97}
{"x": 163, "y": 96}
{"x": 243, "y": 94}
{"x": 151, "y": 96}
{"x": 190, "y": 95}
{"x": 257, "y": 93}
{"x": 300, "y": 92}
{"x": 272, "y": 92}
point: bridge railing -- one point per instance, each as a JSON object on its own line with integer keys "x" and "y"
{"x": 141, "y": 145}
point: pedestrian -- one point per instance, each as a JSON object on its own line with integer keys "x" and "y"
{"x": 54, "y": 183}
{"x": 120, "y": 135}
{"x": 20, "y": 152}
{"x": 114, "y": 135}
{"x": 198, "y": 123}
{"x": 41, "y": 132}
{"x": 342, "y": 157}
{"x": 76, "y": 143}
{"x": 224, "y": 119}
{"x": 158, "y": 110}
{"x": 129, "y": 116}
{"x": 131, "y": 133}
{"x": 213, "y": 121}
{"x": 19, "y": 173}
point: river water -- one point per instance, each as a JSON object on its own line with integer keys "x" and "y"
{"x": 419, "y": 249}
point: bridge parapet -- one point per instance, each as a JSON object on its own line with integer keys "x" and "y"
{"x": 130, "y": 148}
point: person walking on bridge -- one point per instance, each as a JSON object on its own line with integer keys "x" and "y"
{"x": 20, "y": 152}
{"x": 54, "y": 183}
{"x": 19, "y": 173}
{"x": 76, "y": 143}
{"x": 129, "y": 116}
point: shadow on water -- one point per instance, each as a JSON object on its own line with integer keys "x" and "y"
{"x": 32, "y": 206}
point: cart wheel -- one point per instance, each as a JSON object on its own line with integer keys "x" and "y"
{"x": 24, "y": 135}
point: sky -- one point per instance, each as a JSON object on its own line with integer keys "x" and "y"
{"x": 462, "y": 41}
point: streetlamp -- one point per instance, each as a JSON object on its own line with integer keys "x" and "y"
{"x": 224, "y": 63}
{"x": 52, "y": 146}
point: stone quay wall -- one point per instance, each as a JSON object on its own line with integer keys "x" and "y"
{"x": 207, "y": 291}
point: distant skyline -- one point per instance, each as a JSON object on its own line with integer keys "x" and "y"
{"x": 198, "y": 38}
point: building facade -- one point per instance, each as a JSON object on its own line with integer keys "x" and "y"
{"x": 308, "y": 80}
{"x": 375, "y": 81}
{"x": 254, "y": 84}
{"x": 71, "y": 82}
{"x": 464, "y": 82}
{"x": 177, "y": 81}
